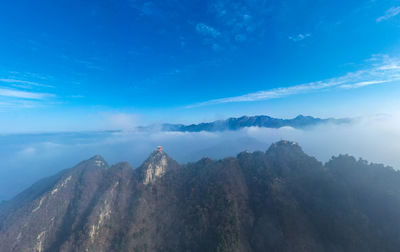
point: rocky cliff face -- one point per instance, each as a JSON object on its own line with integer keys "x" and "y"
{"x": 278, "y": 200}
{"x": 156, "y": 166}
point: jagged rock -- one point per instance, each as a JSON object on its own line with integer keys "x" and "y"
{"x": 156, "y": 166}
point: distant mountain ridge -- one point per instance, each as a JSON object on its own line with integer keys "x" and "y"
{"x": 277, "y": 200}
{"x": 252, "y": 121}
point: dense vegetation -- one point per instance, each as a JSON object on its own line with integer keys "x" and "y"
{"x": 279, "y": 200}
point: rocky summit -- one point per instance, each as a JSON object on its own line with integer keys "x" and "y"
{"x": 278, "y": 200}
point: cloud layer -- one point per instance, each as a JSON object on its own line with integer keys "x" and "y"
{"x": 27, "y": 158}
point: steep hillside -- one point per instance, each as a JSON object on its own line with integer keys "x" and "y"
{"x": 278, "y": 200}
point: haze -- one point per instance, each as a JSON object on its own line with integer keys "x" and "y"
{"x": 29, "y": 157}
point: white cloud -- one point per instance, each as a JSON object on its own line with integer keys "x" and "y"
{"x": 17, "y": 93}
{"x": 24, "y": 94}
{"x": 207, "y": 30}
{"x": 386, "y": 71}
{"x": 120, "y": 121}
{"x": 242, "y": 20}
{"x": 299, "y": 37}
{"x": 28, "y": 151}
{"x": 234, "y": 23}
{"x": 392, "y": 12}
{"x": 363, "y": 84}
{"x": 25, "y": 82}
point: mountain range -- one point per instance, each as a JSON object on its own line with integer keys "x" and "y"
{"x": 277, "y": 200}
{"x": 253, "y": 121}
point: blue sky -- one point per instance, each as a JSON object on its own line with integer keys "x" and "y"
{"x": 105, "y": 64}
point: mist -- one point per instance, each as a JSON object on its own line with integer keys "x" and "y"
{"x": 27, "y": 158}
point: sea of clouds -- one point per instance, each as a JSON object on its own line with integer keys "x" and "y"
{"x": 26, "y": 158}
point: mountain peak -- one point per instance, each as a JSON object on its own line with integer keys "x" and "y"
{"x": 284, "y": 146}
{"x": 97, "y": 157}
{"x": 286, "y": 143}
{"x": 156, "y": 165}
{"x": 98, "y": 160}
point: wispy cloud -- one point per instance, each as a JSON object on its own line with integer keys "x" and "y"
{"x": 364, "y": 83}
{"x": 386, "y": 71}
{"x": 11, "y": 104}
{"x": 392, "y": 12}
{"x": 207, "y": 30}
{"x": 299, "y": 37}
{"x": 243, "y": 19}
{"x": 21, "y": 90}
{"x": 211, "y": 36}
{"x": 31, "y": 83}
{"x": 24, "y": 94}
{"x": 234, "y": 23}
{"x": 151, "y": 9}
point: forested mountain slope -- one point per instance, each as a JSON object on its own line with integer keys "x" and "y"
{"x": 278, "y": 200}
